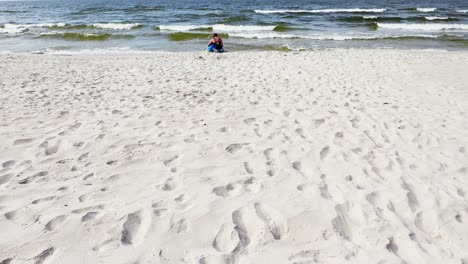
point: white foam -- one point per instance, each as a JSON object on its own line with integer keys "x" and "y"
{"x": 116, "y": 26}
{"x": 370, "y": 17}
{"x": 436, "y": 18}
{"x": 51, "y": 33}
{"x": 426, "y": 9}
{"x": 181, "y": 27}
{"x": 462, "y": 11}
{"x": 349, "y": 10}
{"x": 11, "y": 30}
{"x": 49, "y": 25}
{"x": 230, "y": 28}
{"x": 19, "y": 28}
{"x": 428, "y": 27}
{"x": 336, "y": 37}
{"x": 217, "y": 27}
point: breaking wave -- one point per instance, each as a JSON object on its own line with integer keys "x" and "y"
{"x": 427, "y": 27}
{"x": 349, "y": 10}
{"x": 85, "y": 37}
{"x": 217, "y": 27}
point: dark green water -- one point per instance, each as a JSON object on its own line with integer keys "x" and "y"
{"x": 186, "y": 25}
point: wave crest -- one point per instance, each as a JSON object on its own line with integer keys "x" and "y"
{"x": 12, "y": 28}
{"x": 117, "y": 26}
{"x": 427, "y": 27}
{"x": 85, "y": 37}
{"x": 346, "y": 10}
{"x": 216, "y": 27}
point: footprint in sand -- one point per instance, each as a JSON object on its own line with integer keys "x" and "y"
{"x": 277, "y": 225}
{"x": 22, "y": 141}
{"x": 297, "y": 165}
{"x": 225, "y": 259}
{"x": 180, "y": 226}
{"x": 89, "y": 216}
{"x": 86, "y": 197}
{"x": 305, "y": 256}
{"x": 249, "y": 121}
{"x": 8, "y": 164}
{"x": 83, "y": 157}
{"x": 324, "y": 152}
{"x": 6, "y": 261}
{"x": 248, "y": 168}
{"x": 169, "y": 161}
{"x": 135, "y": 227}
{"x": 5, "y": 179}
{"x": 227, "y": 238}
{"x": 318, "y": 122}
{"x": 341, "y": 222}
{"x": 270, "y": 154}
{"x": 252, "y": 185}
{"x": 236, "y": 147}
{"x": 56, "y": 222}
{"x": 74, "y": 126}
{"x": 12, "y": 215}
{"x": 44, "y": 256}
{"x": 45, "y": 199}
{"x": 258, "y": 224}
{"x": 411, "y": 197}
{"x": 257, "y": 132}
{"x": 171, "y": 184}
{"x": 228, "y": 190}
{"x": 89, "y": 208}
{"x": 323, "y": 187}
{"x": 51, "y": 149}
{"x": 160, "y": 209}
{"x": 391, "y": 246}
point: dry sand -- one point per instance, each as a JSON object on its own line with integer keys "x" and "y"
{"x": 328, "y": 156}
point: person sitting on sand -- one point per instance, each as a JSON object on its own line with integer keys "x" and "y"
{"x": 215, "y": 44}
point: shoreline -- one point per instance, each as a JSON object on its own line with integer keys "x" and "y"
{"x": 155, "y": 52}
{"x": 331, "y": 156}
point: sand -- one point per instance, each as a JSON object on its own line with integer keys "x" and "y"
{"x": 327, "y": 156}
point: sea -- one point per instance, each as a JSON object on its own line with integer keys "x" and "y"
{"x": 99, "y": 26}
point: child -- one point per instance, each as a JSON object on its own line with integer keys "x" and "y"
{"x": 215, "y": 44}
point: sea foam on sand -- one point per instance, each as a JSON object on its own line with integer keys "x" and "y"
{"x": 328, "y": 156}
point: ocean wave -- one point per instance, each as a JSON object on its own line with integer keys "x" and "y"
{"x": 217, "y": 27}
{"x": 427, "y": 27}
{"x": 275, "y": 35}
{"x": 117, "y": 26}
{"x": 421, "y": 9}
{"x": 181, "y": 27}
{"x": 283, "y": 28}
{"x": 184, "y": 36}
{"x": 132, "y": 9}
{"x": 12, "y": 11}
{"x": 334, "y": 37}
{"x": 429, "y": 18}
{"x": 85, "y": 36}
{"x": 427, "y": 9}
{"x": 349, "y": 10}
{"x": 462, "y": 11}
{"x": 114, "y": 26}
{"x": 360, "y": 19}
{"x": 234, "y": 19}
{"x": 11, "y": 28}
{"x": 436, "y": 18}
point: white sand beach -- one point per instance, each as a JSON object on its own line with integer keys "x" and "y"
{"x": 325, "y": 156}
